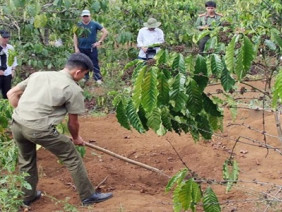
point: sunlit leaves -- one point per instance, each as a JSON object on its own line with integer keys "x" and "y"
{"x": 230, "y": 173}
{"x": 149, "y": 90}
{"x": 277, "y": 91}
{"x": 216, "y": 65}
{"x": 210, "y": 201}
{"x": 229, "y": 55}
{"x": 179, "y": 64}
{"x": 226, "y": 80}
{"x": 40, "y": 21}
{"x": 121, "y": 116}
{"x": 200, "y": 73}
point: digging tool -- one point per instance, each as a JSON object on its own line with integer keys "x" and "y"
{"x": 93, "y": 146}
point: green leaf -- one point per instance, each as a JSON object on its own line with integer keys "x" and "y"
{"x": 203, "y": 126}
{"x": 201, "y": 72}
{"x": 248, "y": 53}
{"x": 277, "y": 91}
{"x": 176, "y": 179}
{"x": 210, "y": 107}
{"x": 178, "y": 96}
{"x": 216, "y": 65}
{"x": 142, "y": 116}
{"x": 150, "y": 90}
{"x": 155, "y": 121}
{"x": 132, "y": 63}
{"x": 239, "y": 67}
{"x": 230, "y": 176}
{"x": 162, "y": 57}
{"x": 134, "y": 118}
{"x": 210, "y": 201}
{"x": 245, "y": 58}
{"x": 121, "y": 116}
{"x": 163, "y": 88}
{"x": 194, "y": 102}
{"x": 179, "y": 64}
{"x": 40, "y": 21}
{"x": 189, "y": 195}
{"x": 275, "y": 36}
{"x": 166, "y": 118}
{"x": 137, "y": 89}
{"x": 216, "y": 123}
{"x": 227, "y": 81}
{"x": 270, "y": 45}
{"x": 230, "y": 53}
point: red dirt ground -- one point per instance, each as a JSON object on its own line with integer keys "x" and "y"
{"x": 136, "y": 189}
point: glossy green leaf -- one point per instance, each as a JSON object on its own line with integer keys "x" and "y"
{"x": 194, "y": 102}
{"x": 227, "y": 81}
{"x": 134, "y": 118}
{"x": 150, "y": 90}
{"x": 179, "y": 64}
{"x": 121, "y": 115}
{"x": 210, "y": 107}
{"x": 210, "y": 201}
{"x": 216, "y": 65}
{"x": 230, "y": 55}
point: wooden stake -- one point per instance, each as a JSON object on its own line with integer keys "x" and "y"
{"x": 93, "y": 146}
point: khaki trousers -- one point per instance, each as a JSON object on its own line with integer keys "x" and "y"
{"x": 61, "y": 146}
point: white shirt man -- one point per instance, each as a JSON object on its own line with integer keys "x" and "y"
{"x": 149, "y": 35}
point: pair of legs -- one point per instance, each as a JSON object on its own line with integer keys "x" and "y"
{"x": 59, "y": 145}
{"x": 5, "y": 84}
{"x": 93, "y": 55}
{"x": 203, "y": 42}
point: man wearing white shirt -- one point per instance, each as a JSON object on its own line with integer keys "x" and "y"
{"x": 148, "y": 36}
{"x": 7, "y": 75}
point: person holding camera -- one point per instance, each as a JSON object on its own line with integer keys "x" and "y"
{"x": 7, "y": 71}
{"x": 149, "y": 39}
{"x": 206, "y": 20}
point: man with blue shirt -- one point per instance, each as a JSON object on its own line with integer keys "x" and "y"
{"x": 86, "y": 42}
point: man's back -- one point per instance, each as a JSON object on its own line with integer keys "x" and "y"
{"x": 47, "y": 98}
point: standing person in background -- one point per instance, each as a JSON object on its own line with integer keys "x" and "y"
{"x": 41, "y": 102}
{"x": 87, "y": 42}
{"x": 148, "y": 35}
{"x": 206, "y": 20}
{"x": 5, "y": 72}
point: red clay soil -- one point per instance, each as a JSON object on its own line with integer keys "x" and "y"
{"x": 137, "y": 189}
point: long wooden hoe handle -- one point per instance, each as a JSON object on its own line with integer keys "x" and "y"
{"x": 93, "y": 146}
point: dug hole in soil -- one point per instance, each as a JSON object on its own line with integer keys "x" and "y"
{"x": 136, "y": 189}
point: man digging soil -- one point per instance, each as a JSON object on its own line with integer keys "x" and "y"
{"x": 41, "y": 102}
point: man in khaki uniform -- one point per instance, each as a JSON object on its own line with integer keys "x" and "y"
{"x": 41, "y": 102}
{"x": 206, "y": 21}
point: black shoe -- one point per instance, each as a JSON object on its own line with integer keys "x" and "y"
{"x": 97, "y": 197}
{"x": 28, "y": 203}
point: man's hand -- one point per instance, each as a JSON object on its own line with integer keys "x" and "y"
{"x": 1, "y": 73}
{"x": 97, "y": 44}
{"x": 144, "y": 49}
{"x": 204, "y": 27}
{"x": 78, "y": 141}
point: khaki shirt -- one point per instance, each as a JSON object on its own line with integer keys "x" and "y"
{"x": 48, "y": 96}
{"x": 204, "y": 19}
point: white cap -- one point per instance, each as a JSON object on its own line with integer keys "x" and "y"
{"x": 85, "y": 12}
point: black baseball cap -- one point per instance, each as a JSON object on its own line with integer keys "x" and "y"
{"x": 4, "y": 34}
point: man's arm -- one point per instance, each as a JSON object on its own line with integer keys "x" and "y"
{"x": 75, "y": 43}
{"x": 104, "y": 35}
{"x": 73, "y": 126}
{"x": 140, "y": 42}
{"x": 14, "y": 95}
